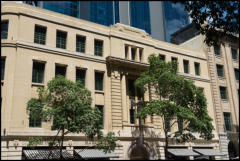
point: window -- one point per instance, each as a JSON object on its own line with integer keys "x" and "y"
{"x": 38, "y": 72}
{"x": 4, "y": 29}
{"x": 80, "y": 44}
{"x": 197, "y": 68}
{"x": 132, "y": 116}
{"x": 100, "y": 108}
{"x": 217, "y": 50}
{"x": 185, "y": 65}
{"x": 180, "y": 124}
{"x": 98, "y": 81}
{"x": 126, "y": 52}
{"x": 236, "y": 73}
{"x": 167, "y": 125}
{"x": 2, "y": 68}
{"x": 61, "y": 39}
{"x": 98, "y": 47}
{"x": 37, "y": 122}
{"x": 133, "y": 53}
{"x": 223, "y": 92}
{"x": 227, "y": 121}
{"x": 40, "y": 35}
{"x": 174, "y": 59}
{"x": 131, "y": 88}
{"x": 162, "y": 57}
{"x": 60, "y": 70}
{"x": 234, "y": 54}
{"x": 220, "y": 70}
{"x": 140, "y": 54}
{"x": 80, "y": 75}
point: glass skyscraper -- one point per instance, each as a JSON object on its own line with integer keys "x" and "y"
{"x": 158, "y": 18}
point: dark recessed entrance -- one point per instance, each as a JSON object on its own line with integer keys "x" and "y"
{"x": 139, "y": 153}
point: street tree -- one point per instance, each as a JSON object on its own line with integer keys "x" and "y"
{"x": 214, "y": 19}
{"x": 180, "y": 101}
{"x": 68, "y": 105}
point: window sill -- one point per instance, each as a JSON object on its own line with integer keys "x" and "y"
{"x": 218, "y": 56}
{"x": 97, "y": 91}
{"x": 38, "y": 84}
{"x": 221, "y": 78}
{"x": 224, "y": 100}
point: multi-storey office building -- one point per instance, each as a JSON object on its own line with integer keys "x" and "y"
{"x": 159, "y": 19}
{"x": 38, "y": 44}
{"x": 223, "y": 63}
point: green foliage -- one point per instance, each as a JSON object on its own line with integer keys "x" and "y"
{"x": 185, "y": 100}
{"x": 68, "y": 104}
{"x": 220, "y": 15}
{"x": 107, "y": 143}
{"x": 33, "y": 141}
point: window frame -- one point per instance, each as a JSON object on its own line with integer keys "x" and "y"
{"x": 95, "y": 80}
{"x": 223, "y": 73}
{"x": 33, "y": 122}
{"x": 43, "y": 75}
{"x": 221, "y": 94}
{"x": 187, "y": 66}
{"x": 236, "y": 54}
{"x": 214, "y": 49}
{"x": 45, "y": 39}
{"x": 82, "y": 69}
{"x": 236, "y": 69}
{"x": 102, "y": 111}
{"x": 57, "y": 39}
{"x": 96, "y": 48}
{"x": 228, "y": 121}
{"x": 3, "y": 69}
{"x": 61, "y": 65}
{"x": 199, "y": 69}
{"x": 78, "y": 48}
{"x": 132, "y": 119}
{"x": 162, "y": 56}
{"x": 2, "y": 31}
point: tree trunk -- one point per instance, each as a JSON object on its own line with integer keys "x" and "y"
{"x": 61, "y": 147}
{"x": 166, "y": 146}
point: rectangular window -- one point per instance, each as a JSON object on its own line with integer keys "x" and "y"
{"x": 223, "y": 92}
{"x": 80, "y": 75}
{"x": 220, "y": 70}
{"x": 99, "y": 81}
{"x": 40, "y": 35}
{"x": 140, "y": 54}
{"x": 217, "y": 50}
{"x": 131, "y": 88}
{"x": 162, "y": 57}
{"x": 174, "y": 59}
{"x": 80, "y": 44}
{"x": 185, "y": 65}
{"x": 4, "y": 29}
{"x": 234, "y": 54}
{"x": 100, "y": 108}
{"x": 132, "y": 116}
{"x": 38, "y": 72}
{"x": 98, "y": 47}
{"x": 180, "y": 124}
{"x": 227, "y": 121}
{"x": 60, "y": 70}
{"x": 236, "y": 73}
{"x": 197, "y": 68}
{"x": 133, "y": 51}
{"x": 61, "y": 39}
{"x": 126, "y": 52}
{"x": 2, "y": 68}
{"x": 35, "y": 122}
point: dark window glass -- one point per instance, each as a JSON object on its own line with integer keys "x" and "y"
{"x": 236, "y": 74}
{"x": 140, "y": 94}
{"x": 197, "y": 68}
{"x": 40, "y": 35}
{"x": 227, "y": 121}
{"x": 220, "y": 70}
{"x": 2, "y": 68}
{"x": 4, "y": 29}
{"x": 185, "y": 65}
{"x": 223, "y": 92}
{"x": 167, "y": 125}
{"x": 98, "y": 47}
{"x": 162, "y": 57}
{"x": 133, "y": 53}
{"x": 131, "y": 88}
{"x": 80, "y": 44}
{"x": 174, "y": 59}
{"x": 126, "y": 51}
{"x": 132, "y": 116}
{"x": 180, "y": 124}
{"x": 80, "y": 75}
{"x": 60, "y": 70}
{"x": 217, "y": 49}
{"x": 234, "y": 54}
{"x": 98, "y": 81}
{"x": 37, "y": 122}
{"x": 102, "y": 114}
{"x": 61, "y": 40}
{"x": 38, "y": 72}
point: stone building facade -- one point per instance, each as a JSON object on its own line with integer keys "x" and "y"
{"x": 223, "y": 64}
{"x": 114, "y": 55}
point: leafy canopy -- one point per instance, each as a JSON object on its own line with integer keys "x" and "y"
{"x": 68, "y": 104}
{"x": 185, "y": 100}
{"x": 221, "y": 16}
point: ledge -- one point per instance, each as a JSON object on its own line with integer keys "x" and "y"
{"x": 97, "y": 91}
{"x": 37, "y": 84}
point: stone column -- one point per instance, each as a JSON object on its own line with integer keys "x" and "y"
{"x": 124, "y": 104}
{"x": 129, "y": 56}
{"x": 137, "y": 55}
{"x": 146, "y": 98}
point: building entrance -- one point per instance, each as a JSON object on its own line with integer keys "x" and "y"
{"x": 139, "y": 153}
